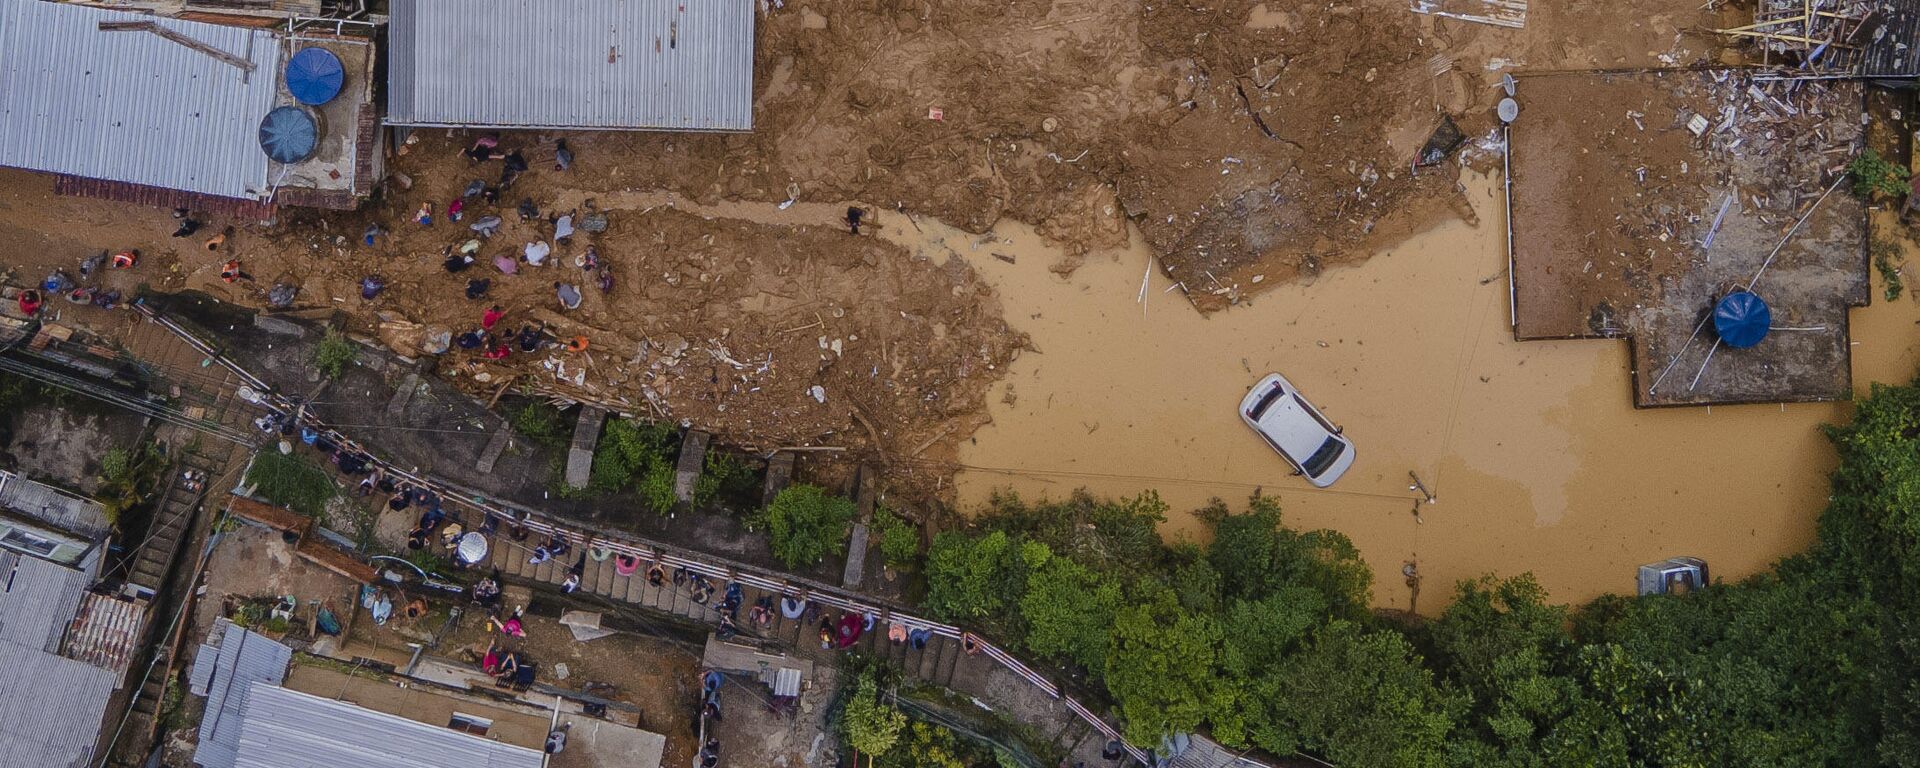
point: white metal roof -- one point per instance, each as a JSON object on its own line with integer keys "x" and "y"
{"x": 290, "y": 729}
{"x": 37, "y": 601}
{"x": 681, "y": 65}
{"x": 131, "y": 106}
{"x": 51, "y": 708}
{"x": 224, "y": 670}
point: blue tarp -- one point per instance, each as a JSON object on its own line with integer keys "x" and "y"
{"x": 1742, "y": 319}
{"x": 288, "y": 135}
{"x": 314, "y": 76}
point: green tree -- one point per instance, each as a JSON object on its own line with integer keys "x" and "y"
{"x": 971, "y": 577}
{"x": 872, "y": 726}
{"x": 1161, "y": 668}
{"x": 805, "y": 524}
{"x": 1255, "y": 555}
{"x": 1359, "y": 697}
{"x": 1068, "y": 610}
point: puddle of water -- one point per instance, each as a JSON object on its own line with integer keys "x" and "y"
{"x": 1538, "y": 460}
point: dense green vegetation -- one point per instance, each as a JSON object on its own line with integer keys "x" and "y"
{"x": 1263, "y": 638}
{"x": 636, "y": 455}
{"x": 333, "y": 353}
{"x": 126, "y": 478}
{"x": 871, "y": 722}
{"x": 1874, "y": 175}
{"x": 292, "y": 482}
{"x": 804, "y": 524}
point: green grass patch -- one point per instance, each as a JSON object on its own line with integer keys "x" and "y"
{"x": 292, "y": 482}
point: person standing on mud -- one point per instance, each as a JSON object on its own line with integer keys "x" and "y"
{"x": 513, "y": 167}
{"x": 854, "y": 215}
{"x": 569, "y": 295}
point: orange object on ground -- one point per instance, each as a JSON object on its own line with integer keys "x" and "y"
{"x": 125, "y": 259}
{"x": 578, "y": 344}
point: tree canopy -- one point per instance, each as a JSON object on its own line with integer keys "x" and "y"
{"x": 1263, "y": 637}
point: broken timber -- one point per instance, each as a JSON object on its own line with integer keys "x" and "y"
{"x": 178, "y": 38}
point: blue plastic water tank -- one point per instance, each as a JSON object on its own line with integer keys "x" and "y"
{"x": 314, "y": 76}
{"x": 289, "y": 135}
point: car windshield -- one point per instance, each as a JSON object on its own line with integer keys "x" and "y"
{"x": 1323, "y": 458}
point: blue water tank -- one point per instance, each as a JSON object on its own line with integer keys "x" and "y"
{"x": 1742, "y": 319}
{"x": 289, "y": 135}
{"x": 314, "y": 76}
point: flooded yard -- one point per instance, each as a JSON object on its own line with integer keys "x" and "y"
{"x": 1537, "y": 458}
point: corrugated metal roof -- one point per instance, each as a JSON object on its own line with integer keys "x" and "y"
{"x": 608, "y": 64}
{"x": 51, "y": 708}
{"x": 106, "y": 632}
{"x": 37, "y": 600}
{"x": 132, "y": 106}
{"x": 290, "y": 729}
{"x": 224, "y": 671}
{"x": 53, "y": 506}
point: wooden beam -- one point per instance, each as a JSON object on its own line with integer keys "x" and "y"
{"x": 178, "y": 38}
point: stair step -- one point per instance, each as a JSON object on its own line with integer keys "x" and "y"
{"x": 930, "y": 658}
{"x": 602, "y": 574}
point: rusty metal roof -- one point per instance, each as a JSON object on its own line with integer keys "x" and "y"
{"x": 106, "y": 632}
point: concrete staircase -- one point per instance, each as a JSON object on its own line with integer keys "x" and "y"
{"x": 938, "y": 663}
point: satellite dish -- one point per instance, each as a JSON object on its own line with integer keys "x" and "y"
{"x": 1508, "y": 110}
{"x": 314, "y": 76}
{"x": 289, "y": 135}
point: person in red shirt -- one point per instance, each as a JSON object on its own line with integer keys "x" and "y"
{"x": 30, "y": 302}
{"x": 231, "y": 272}
{"x": 491, "y": 317}
{"x": 498, "y": 352}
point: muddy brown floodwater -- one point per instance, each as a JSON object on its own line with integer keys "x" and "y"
{"x": 1536, "y": 456}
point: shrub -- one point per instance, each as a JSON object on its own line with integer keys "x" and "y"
{"x": 292, "y": 482}
{"x": 125, "y": 477}
{"x": 1875, "y": 176}
{"x": 806, "y": 524}
{"x": 899, "y": 539}
{"x": 542, "y": 423}
{"x": 656, "y": 488}
{"x": 334, "y": 353}
{"x": 722, "y": 476}
{"x": 1887, "y": 259}
{"x": 629, "y": 451}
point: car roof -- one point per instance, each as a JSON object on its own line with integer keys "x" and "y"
{"x": 1288, "y": 424}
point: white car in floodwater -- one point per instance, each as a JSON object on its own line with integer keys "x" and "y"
{"x": 1314, "y": 446}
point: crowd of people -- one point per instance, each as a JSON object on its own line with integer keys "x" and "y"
{"x": 481, "y": 201}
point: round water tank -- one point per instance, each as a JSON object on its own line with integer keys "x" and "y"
{"x": 1742, "y": 319}
{"x": 314, "y": 76}
{"x": 289, "y": 135}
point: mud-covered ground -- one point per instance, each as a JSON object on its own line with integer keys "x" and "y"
{"x": 1250, "y": 144}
